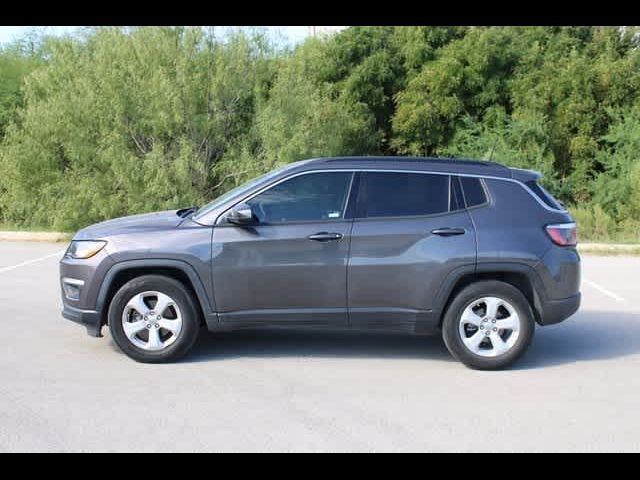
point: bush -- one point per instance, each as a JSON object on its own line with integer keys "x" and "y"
{"x": 127, "y": 120}
{"x": 595, "y": 225}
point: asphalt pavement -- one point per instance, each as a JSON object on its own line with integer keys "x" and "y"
{"x": 577, "y": 388}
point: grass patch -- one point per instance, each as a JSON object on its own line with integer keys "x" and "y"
{"x": 9, "y": 227}
{"x": 597, "y": 226}
{"x": 608, "y": 249}
{"x": 19, "y": 233}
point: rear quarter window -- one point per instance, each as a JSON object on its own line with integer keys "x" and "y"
{"x": 473, "y": 189}
{"x": 543, "y": 195}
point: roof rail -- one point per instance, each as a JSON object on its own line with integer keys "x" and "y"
{"x": 437, "y": 160}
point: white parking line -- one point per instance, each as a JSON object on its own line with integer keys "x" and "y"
{"x": 601, "y": 289}
{"x": 22, "y": 264}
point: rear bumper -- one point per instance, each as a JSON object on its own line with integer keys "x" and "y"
{"x": 555, "y": 311}
{"x": 89, "y": 318}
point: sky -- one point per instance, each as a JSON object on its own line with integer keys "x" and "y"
{"x": 291, "y": 34}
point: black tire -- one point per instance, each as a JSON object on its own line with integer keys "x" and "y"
{"x": 183, "y": 299}
{"x": 471, "y": 293}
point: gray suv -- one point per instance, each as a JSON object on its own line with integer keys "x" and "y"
{"x": 473, "y": 250}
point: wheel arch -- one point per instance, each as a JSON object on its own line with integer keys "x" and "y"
{"x": 521, "y": 276}
{"x": 120, "y": 273}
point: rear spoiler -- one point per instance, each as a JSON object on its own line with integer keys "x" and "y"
{"x": 530, "y": 179}
{"x": 524, "y": 175}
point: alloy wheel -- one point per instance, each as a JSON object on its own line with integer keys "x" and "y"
{"x": 151, "y": 320}
{"x": 489, "y": 326}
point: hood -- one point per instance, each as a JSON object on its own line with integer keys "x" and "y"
{"x": 165, "y": 220}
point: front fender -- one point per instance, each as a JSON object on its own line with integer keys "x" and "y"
{"x": 207, "y": 305}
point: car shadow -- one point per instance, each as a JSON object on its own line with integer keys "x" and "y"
{"x": 271, "y": 343}
{"x": 587, "y": 336}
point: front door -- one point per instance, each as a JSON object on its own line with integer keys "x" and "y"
{"x": 290, "y": 267}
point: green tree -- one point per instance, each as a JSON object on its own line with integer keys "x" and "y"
{"x": 469, "y": 76}
{"x": 124, "y": 122}
{"x": 574, "y": 77}
{"x": 17, "y": 60}
{"x": 302, "y": 117}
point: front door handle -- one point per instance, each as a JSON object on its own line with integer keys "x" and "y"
{"x": 325, "y": 236}
{"x": 448, "y": 231}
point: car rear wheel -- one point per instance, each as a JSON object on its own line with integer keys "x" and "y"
{"x": 154, "y": 319}
{"x": 489, "y": 325}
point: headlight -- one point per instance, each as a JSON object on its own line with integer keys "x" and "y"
{"x": 84, "y": 248}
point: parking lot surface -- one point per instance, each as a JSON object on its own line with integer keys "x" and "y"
{"x": 577, "y": 388}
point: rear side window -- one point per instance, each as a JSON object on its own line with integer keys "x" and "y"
{"x": 474, "y": 193}
{"x": 543, "y": 195}
{"x": 389, "y": 194}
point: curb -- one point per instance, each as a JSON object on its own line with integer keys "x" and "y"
{"x": 609, "y": 248}
{"x": 34, "y": 236}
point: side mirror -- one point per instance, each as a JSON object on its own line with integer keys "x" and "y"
{"x": 241, "y": 214}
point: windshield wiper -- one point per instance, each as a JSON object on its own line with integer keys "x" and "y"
{"x": 185, "y": 212}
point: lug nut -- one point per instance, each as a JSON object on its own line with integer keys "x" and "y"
{"x": 481, "y": 327}
{"x": 495, "y": 329}
{"x": 157, "y": 325}
{"x": 158, "y": 317}
{"x": 493, "y": 321}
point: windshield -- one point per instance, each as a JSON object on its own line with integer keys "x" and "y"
{"x": 239, "y": 190}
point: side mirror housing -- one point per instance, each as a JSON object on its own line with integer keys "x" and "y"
{"x": 241, "y": 214}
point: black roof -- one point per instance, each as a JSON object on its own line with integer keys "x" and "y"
{"x": 449, "y": 165}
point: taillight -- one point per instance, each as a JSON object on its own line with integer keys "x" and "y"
{"x": 563, "y": 234}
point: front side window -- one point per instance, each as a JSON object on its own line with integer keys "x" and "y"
{"x": 309, "y": 197}
{"x": 390, "y": 194}
{"x": 237, "y": 191}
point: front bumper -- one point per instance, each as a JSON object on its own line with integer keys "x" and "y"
{"x": 80, "y": 282}
{"x": 555, "y": 311}
{"x": 89, "y": 318}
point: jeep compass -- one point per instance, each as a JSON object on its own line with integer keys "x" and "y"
{"x": 472, "y": 250}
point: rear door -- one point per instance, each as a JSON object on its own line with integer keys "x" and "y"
{"x": 410, "y": 231}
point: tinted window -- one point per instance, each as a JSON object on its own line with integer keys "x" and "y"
{"x": 244, "y": 188}
{"x": 473, "y": 192}
{"x": 314, "y": 196}
{"x": 456, "y": 200}
{"x": 405, "y": 194}
{"x": 543, "y": 195}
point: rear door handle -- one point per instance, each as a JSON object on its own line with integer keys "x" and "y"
{"x": 448, "y": 231}
{"x": 325, "y": 236}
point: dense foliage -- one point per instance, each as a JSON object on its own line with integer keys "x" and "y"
{"x": 118, "y": 121}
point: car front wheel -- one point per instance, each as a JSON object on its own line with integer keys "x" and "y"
{"x": 154, "y": 319}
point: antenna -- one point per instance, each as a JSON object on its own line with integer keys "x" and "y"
{"x": 493, "y": 148}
